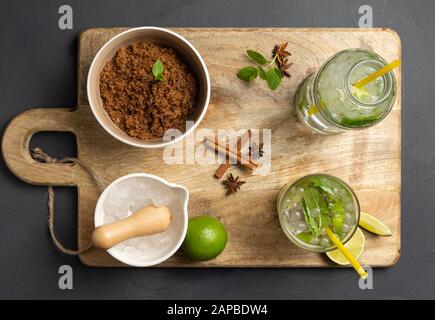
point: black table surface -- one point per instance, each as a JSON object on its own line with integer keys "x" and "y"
{"x": 38, "y": 69}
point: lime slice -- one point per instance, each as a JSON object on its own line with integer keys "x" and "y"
{"x": 374, "y": 225}
{"x": 355, "y": 245}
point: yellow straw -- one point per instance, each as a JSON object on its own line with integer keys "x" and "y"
{"x": 312, "y": 110}
{"x": 355, "y": 264}
{"x": 377, "y": 74}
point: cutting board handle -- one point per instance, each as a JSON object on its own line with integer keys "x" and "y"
{"x": 15, "y": 147}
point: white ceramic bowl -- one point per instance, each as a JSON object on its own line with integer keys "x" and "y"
{"x": 163, "y": 37}
{"x": 177, "y": 228}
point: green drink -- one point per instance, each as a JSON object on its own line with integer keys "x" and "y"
{"x": 313, "y": 203}
{"x": 327, "y": 102}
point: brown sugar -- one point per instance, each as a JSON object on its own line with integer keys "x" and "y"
{"x": 139, "y": 105}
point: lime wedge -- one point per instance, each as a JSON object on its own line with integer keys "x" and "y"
{"x": 373, "y": 224}
{"x": 355, "y": 245}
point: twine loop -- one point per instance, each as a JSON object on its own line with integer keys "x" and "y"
{"x": 39, "y": 155}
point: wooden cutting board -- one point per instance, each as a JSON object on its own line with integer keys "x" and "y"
{"x": 368, "y": 160}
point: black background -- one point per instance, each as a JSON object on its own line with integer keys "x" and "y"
{"x": 38, "y": 69}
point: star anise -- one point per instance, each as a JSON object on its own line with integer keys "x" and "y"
{"x": 281, "y": 51}
{"x": 232, "y": 184}
{"x": 282, "y": 58}
{"x": 284, "y": 68}
{"x": 256, "y": 151}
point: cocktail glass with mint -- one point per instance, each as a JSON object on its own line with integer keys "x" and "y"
{"x": 313, "y": 203}
{"x": 328, "y": 102}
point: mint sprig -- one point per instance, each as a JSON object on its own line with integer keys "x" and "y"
{"x": 322, "y": 208}
{"x": 263, "y": 68}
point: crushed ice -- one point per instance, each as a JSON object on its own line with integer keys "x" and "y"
{"x": 134, "y": 194}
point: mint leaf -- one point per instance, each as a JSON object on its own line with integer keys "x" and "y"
{"x": 312, "y": 225}
{"x": 337, "y": 211}
{"x": 273, "y": 78}
{"x": 337, "y": 224}
{"x": 247, "y": 73}
{"x": 324, "y": 219}
{"x": 256, "y": 57}
{"x": 306, "y": 237}
{"x": 157, "y": 70}
{"x": 316, "y": 210}
{"x": 325, "y": 186}
{"x": 338, "y": 208}
{"x": 262, "y": 73}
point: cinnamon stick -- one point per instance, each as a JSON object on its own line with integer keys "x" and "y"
{"x": 240, "y": 143}
{"x": 214, "y": 144}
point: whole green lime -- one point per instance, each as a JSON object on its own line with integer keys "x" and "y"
{"x": 205, "y": 239}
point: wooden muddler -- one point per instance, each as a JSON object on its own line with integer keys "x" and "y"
{"x": 147, "y": 221}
